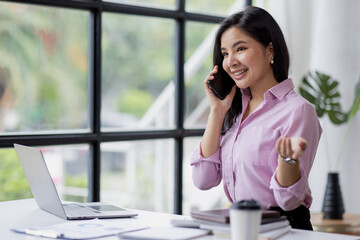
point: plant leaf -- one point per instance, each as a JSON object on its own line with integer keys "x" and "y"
{"x": 306, "y": 82}
{"x": 356, "y": 104}
{"x": 307, "y": 95}
{"x": 333, "y": 86}
{"x": 322, "y": 91}
{"x": 337, "y": 117}
{"x": 335, "y": 95}
{"x": 320, "y": 112}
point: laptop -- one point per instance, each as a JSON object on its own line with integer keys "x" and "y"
{"x": 47, "y": 198}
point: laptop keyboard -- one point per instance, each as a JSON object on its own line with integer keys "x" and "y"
{"x": 73, "y": 210}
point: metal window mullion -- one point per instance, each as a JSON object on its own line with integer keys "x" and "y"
{"x": 95, "y": 100}
{"x": 179, "y": 107}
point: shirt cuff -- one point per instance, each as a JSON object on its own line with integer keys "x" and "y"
{"x": 289, "y": 198}
{"x": 198, "y": 157}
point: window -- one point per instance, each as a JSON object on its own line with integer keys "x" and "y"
{"x": 12, "y": 178}
{"x": 43, "y": 69}
{"x": 198, "y": 58}
{"x": 111, "y": 92}
{"x": 137, "y": 72}
{"x": 68, "y": 166}
{"x": 138, "y": 179}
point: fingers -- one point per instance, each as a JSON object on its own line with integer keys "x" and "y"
{"x": 214, "y": 101}
{"x": 214, "y": 71}
{"x": 283, "y": 146}
{"x": 211, "y": 74}
{"x": 302, "y": 144}
{"x": 288, "y": 150}
{"x": 299, "y": 147}
{"x": 292, "y": 147}
{"x": 210, "y": 77}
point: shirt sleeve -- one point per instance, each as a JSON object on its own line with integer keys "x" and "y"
{"x": 206, "y": 172}
{"x": 302, "y": 123}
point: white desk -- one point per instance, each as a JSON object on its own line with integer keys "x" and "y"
{"x": 25, "y": 213}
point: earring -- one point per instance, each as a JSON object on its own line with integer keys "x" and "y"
{"x": 272, "y": 60}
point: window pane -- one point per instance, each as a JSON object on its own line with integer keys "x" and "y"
{"x": 198, "y": 57}
{"x": 214, "y": 7}
{"x": 138, "y": 72}
{"x": 168, "y": 4}
{"x": 193, "y": 198}
{"x": 68, "y": 167}
{"x": 43, "y": 68}
{"x": 138, "y": 174}
{"x": 13, "y": 183}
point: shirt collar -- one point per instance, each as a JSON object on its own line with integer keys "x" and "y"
{"x": 279, "y": 90}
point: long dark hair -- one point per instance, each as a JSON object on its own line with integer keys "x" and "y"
{"x": 261, "y": 26}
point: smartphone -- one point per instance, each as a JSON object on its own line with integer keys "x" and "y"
{"x": 221, "y": 86}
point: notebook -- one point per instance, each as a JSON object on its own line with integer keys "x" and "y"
{"x": 223, "y": 215}
{"x": 47, "y": 198}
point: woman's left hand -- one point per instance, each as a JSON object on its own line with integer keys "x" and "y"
{"x": 292, "y": 147}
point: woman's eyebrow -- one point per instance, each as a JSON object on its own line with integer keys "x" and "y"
{"x": 234, "y": 44}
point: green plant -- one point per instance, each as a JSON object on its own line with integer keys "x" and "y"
{"x": 321, "y": 90}
{"x": 13, "y": 183}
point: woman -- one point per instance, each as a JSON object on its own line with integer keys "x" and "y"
{"x": 261, "y": 139}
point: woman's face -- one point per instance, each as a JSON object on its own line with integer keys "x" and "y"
{"x": 245, "y": 60}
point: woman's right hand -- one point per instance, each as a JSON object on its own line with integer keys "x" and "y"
{"x": 217, "y": 104}
{"x": 218, "y": 109}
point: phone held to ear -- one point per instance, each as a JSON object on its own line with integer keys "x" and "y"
{"x": 221, "y": 87}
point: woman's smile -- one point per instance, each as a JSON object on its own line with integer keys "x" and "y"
{"x": 239, "y": 74}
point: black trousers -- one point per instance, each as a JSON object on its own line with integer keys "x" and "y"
{"x": 299, "y": 217}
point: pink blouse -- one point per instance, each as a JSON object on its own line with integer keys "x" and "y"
{"x": 247, "y": 160}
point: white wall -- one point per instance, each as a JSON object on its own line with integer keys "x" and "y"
{"x": 336, "y": 50}
{"x": 324, "y": 35}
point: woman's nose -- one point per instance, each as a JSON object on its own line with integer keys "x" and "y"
{"x": 232, "y": 61}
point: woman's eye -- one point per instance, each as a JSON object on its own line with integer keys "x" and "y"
{"x": 240, "y": 49}
{"x": 225, "y": 54}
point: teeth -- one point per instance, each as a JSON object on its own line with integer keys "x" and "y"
{"x": 238, "y": 73}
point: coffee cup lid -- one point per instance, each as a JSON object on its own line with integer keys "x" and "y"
{"x": 246, "y": 204}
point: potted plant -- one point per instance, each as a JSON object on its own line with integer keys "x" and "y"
{"x": 321, "y": 90}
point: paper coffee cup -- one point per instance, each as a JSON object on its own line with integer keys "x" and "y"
{"x": 245, "y": 220}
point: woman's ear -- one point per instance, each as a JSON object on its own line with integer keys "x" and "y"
{"x": 270, "y": 49}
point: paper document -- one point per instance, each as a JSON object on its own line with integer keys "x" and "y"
{"x": 85, "y": 229}
{"x": 168, "y": 233}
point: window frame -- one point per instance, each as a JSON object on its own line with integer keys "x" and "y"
{"x": 95, "y": 137}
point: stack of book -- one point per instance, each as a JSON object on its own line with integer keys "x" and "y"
{"x": 218, "y": 221}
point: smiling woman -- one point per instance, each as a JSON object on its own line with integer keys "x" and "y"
{"x": 255, "y": 137}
